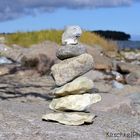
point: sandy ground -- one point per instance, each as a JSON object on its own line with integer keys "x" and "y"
{"x": 21, "y": 113}
{"x": 20, "y": 119}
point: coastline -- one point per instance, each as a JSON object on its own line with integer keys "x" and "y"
{"x": 128, "y": 44}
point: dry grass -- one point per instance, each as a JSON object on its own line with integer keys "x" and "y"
{"x": 26, "y": 39}
{"x": 92, "y": 39}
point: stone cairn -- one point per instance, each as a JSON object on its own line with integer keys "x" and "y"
{"x": 72, "y": 94}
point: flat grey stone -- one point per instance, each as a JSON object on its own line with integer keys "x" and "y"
{"x": 74, "y": 118}
{"x": 69, "y": 51}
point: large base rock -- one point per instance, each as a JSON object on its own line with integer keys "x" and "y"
{"x": 71, "y": 68}
{"x": 74, "y": 118}
{"x": 74, "y": 102}
{"x": 69, "y": 51}
{"x": 78, "y": 86}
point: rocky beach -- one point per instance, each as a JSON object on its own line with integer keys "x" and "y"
{"x": 74, "y": 91}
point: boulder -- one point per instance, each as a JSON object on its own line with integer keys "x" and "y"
{"x": 113, "y": 53}
{"x": 28, "y": 84}
{"x": 69, "y": 69}
{"x": 95, "y": 50}
{"x": 102, "y": 87}
{"x": 4, "y": 71}
{"x": 71, "y": 35}
{"x": 117, "y": 85}
{"x": 102, "y": 62}
{"x": 16, "y": 53}
{"x": 95, "y": 75}
{"x": 135, "y": 98}
{"x": 133, "y": 78}
{"x": 7, "y": 69}
{"x": 4, "y": 60}
{"x": 127, "y": 67}
{"x": 27, "y": 73}
{"x": 69, "y": 51}
{"x": 118, "y": 77}
{"x": 128, "y": 89}
{"x": 78, "y": 86}
{"x": 41, "y": 57}
{"x": 41, "y": 63}
{"x": 114, "y": 103}
{"x": 46, "y": 48}
{"x": 131, "y": 56}
{"x": 74, "y": 102}
{"x": 73, "y": 118}
{"x": 136, "y": 62}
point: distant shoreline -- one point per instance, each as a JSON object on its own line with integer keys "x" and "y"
{"x": 128, "y": 44}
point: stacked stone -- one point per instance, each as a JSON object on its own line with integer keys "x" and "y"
{"x": 73, "y": 89}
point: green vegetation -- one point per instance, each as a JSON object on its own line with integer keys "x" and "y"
{"x": 115, "y": 35}
{"x": 26, "y": 39}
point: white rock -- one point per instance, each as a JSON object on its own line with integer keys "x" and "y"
{"x": 74, "y": 102}
{"x": 71, "y": 35}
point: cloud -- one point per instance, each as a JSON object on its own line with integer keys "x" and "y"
{"x": 11, "y": 9}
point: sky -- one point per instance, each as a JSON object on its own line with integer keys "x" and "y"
{"x": 29, "y": 15}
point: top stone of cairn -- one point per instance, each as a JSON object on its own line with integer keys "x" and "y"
{"x": 71, "y": 35}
